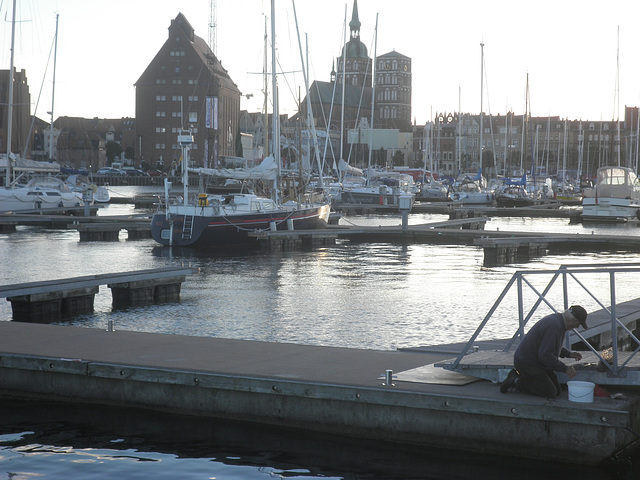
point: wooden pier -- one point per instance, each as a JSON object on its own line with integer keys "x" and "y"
{"x": 52, "y": 299}
{"x": 338, "y": 391}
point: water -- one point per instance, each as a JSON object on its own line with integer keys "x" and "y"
{"x": 375, "y": 296}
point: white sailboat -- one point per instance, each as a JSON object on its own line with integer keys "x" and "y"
{"x": 40, "y": 192}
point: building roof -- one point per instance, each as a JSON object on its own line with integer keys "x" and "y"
{"x": 323, "y": 92}
{"x": 181, "y": 25}
{"x": 394, "y": 54}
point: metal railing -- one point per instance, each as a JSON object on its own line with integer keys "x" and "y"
{"x": 565, "y": 273}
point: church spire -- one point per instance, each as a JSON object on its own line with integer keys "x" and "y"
{"x": 354, "y": 24}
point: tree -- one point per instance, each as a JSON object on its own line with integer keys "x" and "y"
{"x": 398, "y": 158}
{"x": 130, "y": 152}
{"x": 239, "y": 150}
{"x": 112, "y": 150}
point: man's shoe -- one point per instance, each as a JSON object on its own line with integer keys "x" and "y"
{"x": 509, "y": 382}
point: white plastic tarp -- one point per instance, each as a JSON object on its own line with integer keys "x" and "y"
{"x": 267, "y": 170}
{"x": 345, "y": 167}
{"x": 25, "y": 165}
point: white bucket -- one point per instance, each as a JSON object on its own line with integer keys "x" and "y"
{"x": 581, "y": 392}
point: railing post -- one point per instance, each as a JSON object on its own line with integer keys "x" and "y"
{"x": 520, "y": 307}
{"x": 614, "y": 325}
{"x": 565, "y": 303}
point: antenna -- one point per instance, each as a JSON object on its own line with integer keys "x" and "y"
{"x": 212, "y": 27}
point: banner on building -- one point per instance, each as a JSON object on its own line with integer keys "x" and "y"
{"x": 211, "y": 106}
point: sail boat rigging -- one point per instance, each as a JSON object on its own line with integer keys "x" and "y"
{"x": 40, "y": 192}
{"x": 616, "y": 195}
{"x": 226, "y": 221}
{"x": 10, "y": 106}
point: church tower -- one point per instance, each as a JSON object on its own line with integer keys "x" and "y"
{"x": 354, "y": 56}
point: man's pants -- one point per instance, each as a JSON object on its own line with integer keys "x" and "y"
{"x": 537, "y": 381}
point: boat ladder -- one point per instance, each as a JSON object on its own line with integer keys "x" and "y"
{"x": 187, "y": 227}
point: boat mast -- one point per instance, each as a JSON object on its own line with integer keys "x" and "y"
{"x": 53, "y": 93}
{"x": 310, "y": 123}
{"x": 564, "y": 157}
{"x": 266, "y": 92}
{"x": 637, "y": 137}
{"x": 344, "y": 73}
{"x": 10, "y": 101}
{"x": 617, "y": 95}
{"x": 459, "y": 142}
{"x": 481, "y": 97}
{"x": 506, "y": 133}
{"x": 373, "y": 96}
{"x": 276, "y": 113}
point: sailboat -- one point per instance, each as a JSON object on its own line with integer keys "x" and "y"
{"x": 40, "y": 192}
{"x": 616, "y": 195}
{"x": 226, "y": 221}
{"x": 468, "y": 189}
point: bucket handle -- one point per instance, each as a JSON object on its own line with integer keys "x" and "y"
{"x": 580, "y": 396}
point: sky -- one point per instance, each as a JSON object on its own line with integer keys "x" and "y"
{"x": 580, "y": 59}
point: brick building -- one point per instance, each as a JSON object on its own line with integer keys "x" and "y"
{"x": 20, "y": 140}
{"x": 185, "y": 86}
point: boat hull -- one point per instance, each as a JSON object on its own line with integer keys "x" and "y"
{"x": 472, "y": 198}
{"x": 189, "y": 229}
{"x": 515, "y": 202}
{"x": 610, "y": 209}
{"x": 21, "y": 199}
{"x": 370, "y": 198}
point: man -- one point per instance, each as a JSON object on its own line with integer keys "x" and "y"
{"x": 537, "y": 357}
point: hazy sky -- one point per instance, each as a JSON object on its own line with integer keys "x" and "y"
{"x": 567, "y": 48}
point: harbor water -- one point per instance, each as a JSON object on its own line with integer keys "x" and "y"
{"x": 368, "y": 295}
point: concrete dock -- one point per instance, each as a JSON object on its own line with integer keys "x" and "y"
{"x": 338, "y": 390}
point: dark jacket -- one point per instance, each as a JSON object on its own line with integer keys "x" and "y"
{"x": 542, "y": 345}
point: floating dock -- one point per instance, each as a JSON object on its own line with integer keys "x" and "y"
{"x": 395, "y": 396}
{"x": 52, "y": 299}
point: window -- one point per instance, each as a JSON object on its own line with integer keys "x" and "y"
{"x": 176, "y": 114}
{"x": 177, "y": 98}
{"x": 159, "y": 146}
{"x": 161, "y": 114}
{"x": 193, "y": 117}
{"x": 161, "y": 98}
{"x": 177, "y": 81}
{"x": 161, "y": 130}
{"x": 193, "y": 98}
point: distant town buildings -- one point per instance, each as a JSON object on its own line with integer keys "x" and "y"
{"x": 186, "y": 86}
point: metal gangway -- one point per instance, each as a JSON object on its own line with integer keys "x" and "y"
{"x": 610, "y": 324}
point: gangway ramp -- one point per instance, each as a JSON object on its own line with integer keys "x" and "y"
{"x": 612, "y": 328}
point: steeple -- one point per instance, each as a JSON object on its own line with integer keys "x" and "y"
{"x": 354, "y": 24}
{"x": 333, "y": 72}
{"x": 355, "y": 49}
